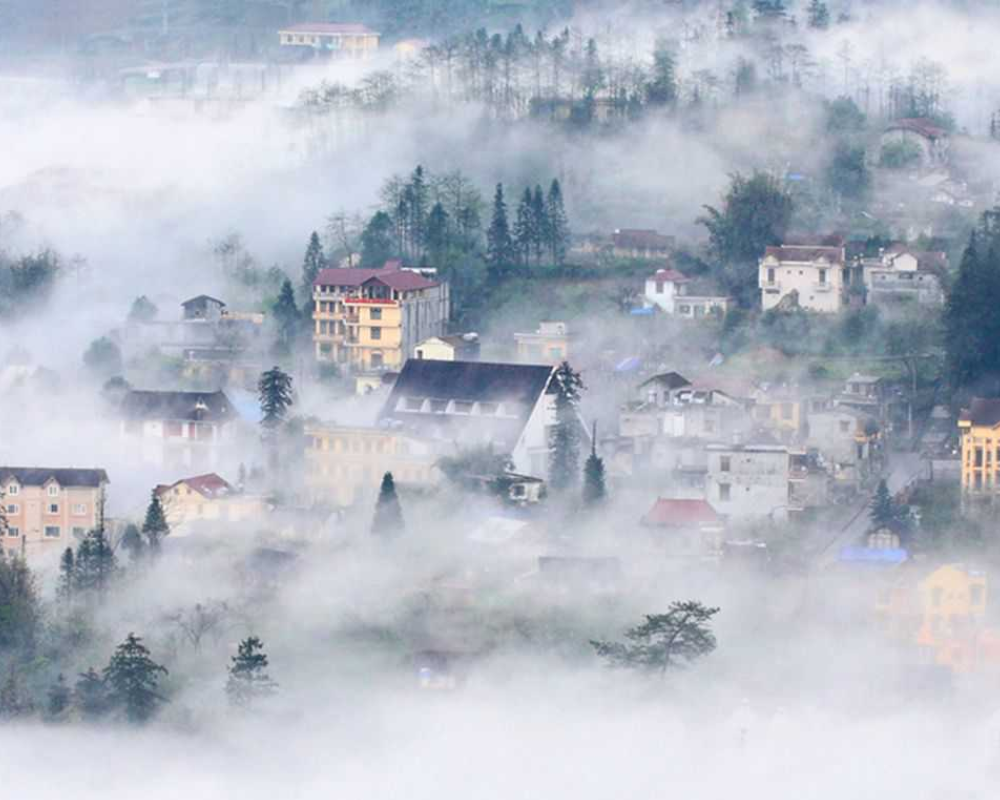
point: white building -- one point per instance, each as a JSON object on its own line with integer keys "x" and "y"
{"x": 670, "y": 291}
{"x": 900, "y": 274}
{"x": 747, "y": 481}
{"x": 816, "y": 277}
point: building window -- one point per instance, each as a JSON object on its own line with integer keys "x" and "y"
{"x": 724, "y": 492}
{"x": 53, "y": 508}
{"x": 79, "y": 509}
{"x": 725, "y": 462}
{"x": 978, "y": 457}
{"x": 822, "y": 277}
{"x": 13, "y": 508}
{"x": 376, "y": 313}
{"x": 13, "y": 532}
{"x": 845, "y": 426}
{"x": 462, "y": 407}
{"x": 53, "y": 490}
{"x": 52, "y": 531}
{"x": 770, "y": 275}
{"x": 420, "y": 355}
{"x": 376, "y": 333}
{"x": 13, "y": 489}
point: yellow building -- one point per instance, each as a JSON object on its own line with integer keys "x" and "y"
{"x": 345, "y": 40}
{"x": 371, "y": 319}
{"x": 980, "y": 431}
{"x": 460, "y": 347}
{"x": 550, "y": 344}
{"x": 206, "y": 498}
{"x": 345, "y": 465}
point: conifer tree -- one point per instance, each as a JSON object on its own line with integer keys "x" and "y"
{"x": 388, "y": 521}
{"x": 59, "y": 698}
{"x": 66, "y": 584}
{"x": 540, "y": 228}
{"x": 287, "y": 318}
{"x": 884, "y": 511}
{"x": 524, "y": 228}
{"x": 133, "y": 678}
{"x": 19, "y": 605}
{"x": 594, "y": 490}
{"x": 818, "y": 15}
{"x": 438, "y": 238}
{"x": 90, "y": 695}
{"x": 96, "y": 564}
{"x": 377, "y": 245}
{"x": 564, "y": 452}
{"x": 313, "y": 261}
{"x": 558, "y": 224}
{"x": 499, "y": 244}
{"x": 274, "y": 389}
{"x": 155, "y": 526}
{"x": 14, "y": 700}
{"x": 248, "y": 679}
{"x": 133, "y": 543}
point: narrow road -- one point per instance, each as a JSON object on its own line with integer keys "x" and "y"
{"x": 905, "y": 467}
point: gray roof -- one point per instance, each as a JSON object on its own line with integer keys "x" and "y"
{"x": 669, "y": 380}
{"x": 39, "y": 476}
{"x": 203, "y": 298}
{"x": 190, "y": 406}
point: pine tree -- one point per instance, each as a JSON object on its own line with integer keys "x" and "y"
{"x": 96, "y": 564}
{"x": 274, "y": 389}
{"x": 818, "y": 14}
{"x": 437, "y": 238}
{"x": 133, "y": 543}
{"x": 90, "y": 695}
{"x": 248, "y": 679}
{"x": 312, "y": 263}
{"x": 14, "y": 700}
{"x": 155, "y": 526}
{"x": 564, "y": 452}
{"x": 499, "y": 245}
{"x": 66, "y": 584}
{"x": 19, "y": 605}
{"x": 540, "y": 228}
{"x": 132, "y": 678}
{"x": 884, "y": 511}
{"x": 524, "y": 228}
{"x": 558, "y": 224}
{"x": 287, "y": 318}
{"x": 388, "y": 521}
{"x": 662, "y": 89}
{"x": 594, "y": 490}
{"x": 59, "y": 698}
{"x": 416, "y": 193}
{"x": 377, "y": 245}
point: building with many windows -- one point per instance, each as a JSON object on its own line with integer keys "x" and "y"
{"x": 979, "y": 427}
{"x": 368, "y": 320}
{"x": 815, "y": 277}
{"x": 335, "y": 39}
{"x": 48, "y": 510}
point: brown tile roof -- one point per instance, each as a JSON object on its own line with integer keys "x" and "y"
{"x": 390, "y": 275}
{"x": 665, "y": 275}
{"x": 983, "y": 411}
{"x": 834, "y": 255}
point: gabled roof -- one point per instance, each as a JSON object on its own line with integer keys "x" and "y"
{"x": 209, "y": 485}
{"x": 680, "y": 513}
{"x": 39, "y": 476}
{"x": 669, "y": 380}
{"x": 328, "y": 27}
{"x": 202, "y": 297}
{"x": 919, "y": 125}
{"x": 390, "y": 275}
{"x": 983, "y": 411}
{"x": 190, "y": 406}
{"x": 802, "y": 253}
{"x": 668, "y": 276}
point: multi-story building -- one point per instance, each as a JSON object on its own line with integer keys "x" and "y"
{"x": 371, "y": 319}
{"x": 206, "y": 498}
{"x": 344, "y": 40}
{"x": 747, "y": 481}
{"x": 184, "y": 428}
{"x": 903, "y": 275}
{"x": 674, "y": 294}
{"x": 345, "y": 464}
{"x": 48, "y": 510}
{"x": 640, "y": 243}
{"x": 815, "y": 277}
{"x": 979, "y": 427}
{"x": 550, "y": 344}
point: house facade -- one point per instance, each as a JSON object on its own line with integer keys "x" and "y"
{"x": 812, "y": 276}
{"x": 900, "y": 274}
{"x": 979, "y": 428}
{"x": 639, "y": 243}
{"x": 341, "y": 40}
{"x": 367, "y": 320}
{"x": 550, "y": 344}
{"x": 48, "y": 510}
{"x": 748, "y": 481}
{"x": 686, "y": 527}
{"x": 458, "y": 347}
{"x": 205, "y": 499}
{"x": 672, "y": 292}
{"x": 177, "y": 428}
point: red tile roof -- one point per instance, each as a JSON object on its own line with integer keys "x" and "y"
{"x": 665, "y": 275}
{"x": 680, "y": 513}
{"x": 208, "y": 485}
{"x": 328, "y": 27}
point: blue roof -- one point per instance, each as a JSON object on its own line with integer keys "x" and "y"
{"x": 868, "y": 555}
{"x": 642, "y": 312}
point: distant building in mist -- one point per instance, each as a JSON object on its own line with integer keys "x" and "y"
{"x": 750, "y": 481}
{"x": 458, "y": 347}
{"x": 904, "y": 275}
{"x": 50, "y": 509}
{"x": 331, "y": 39}
{"x": 638, "y": 243}
{"x": 207, "y": 498}
{"x": 370, "y": 320}
{"x": 811, "y": 276}
{"x": 550, "y": 344}
{"x": 177, "y": 428}
{"x": 679, "y": 296}
{"x": 931, "y": 140}
{"x": 979, "y": 428}
{"x": 685, "y": 527}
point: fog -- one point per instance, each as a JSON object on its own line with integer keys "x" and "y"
{"x": 806, "y": 694}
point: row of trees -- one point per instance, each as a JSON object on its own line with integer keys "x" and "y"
{"x": 540, "y": 230}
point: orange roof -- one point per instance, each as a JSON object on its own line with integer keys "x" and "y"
{"x": 669, "y": 513}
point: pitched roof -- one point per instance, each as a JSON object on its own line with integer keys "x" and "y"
{"x": 680, "y": 513}
{"x": 805, "y": 253}
{"x": 983, "y": 411}
{"x": 328, "y": 27}
{"x": 191, "y": 406}
{"x": 671, "y": 380}
{"x": 201, "y": 297}
{"x": 69, "y": 476}
{"x": 671, "y": 275}
{"x": 516, "y": 386}
{"x": 919, "y": 125}
{"x": 391, "y": 275}
{"x": 209, "y": 485}
{"x": 641, "y": 238}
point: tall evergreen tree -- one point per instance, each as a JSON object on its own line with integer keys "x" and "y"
{"x": 524, "y": 228}
{"x": 388, "y": 521}
{"x": 133, "y": 678}
{"x": 133, "y": 543}
{"x": 287, "y": 318}
{"x": 90, "y": 695}
{"x": 564, "y": 447}
{"x": 59, "y": 699}
{"x": 885, "y": 512}
{"x": 312, "y": 263}
{"x": 248, "y": 679}
{"x": 661, "y": 91}
{"x": 377, "y": 245}
{"x": 558, "y": 224}
{"x": 818, "y": 15}
{"x": 20, "y": 613}
{"x": 417, "y": 196}
{"x": 155, "y": 526}
{"x": 438, "y": 234}
{"x": 594, "y": 489}
{"x": 14, "y": 699}
{"x": 274, "y": 389}
{"x": 66, "y": 584}
{"x": 541, "y": 229}
{"x": 96, "y": 564}
{"x": 500, "y": 254}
